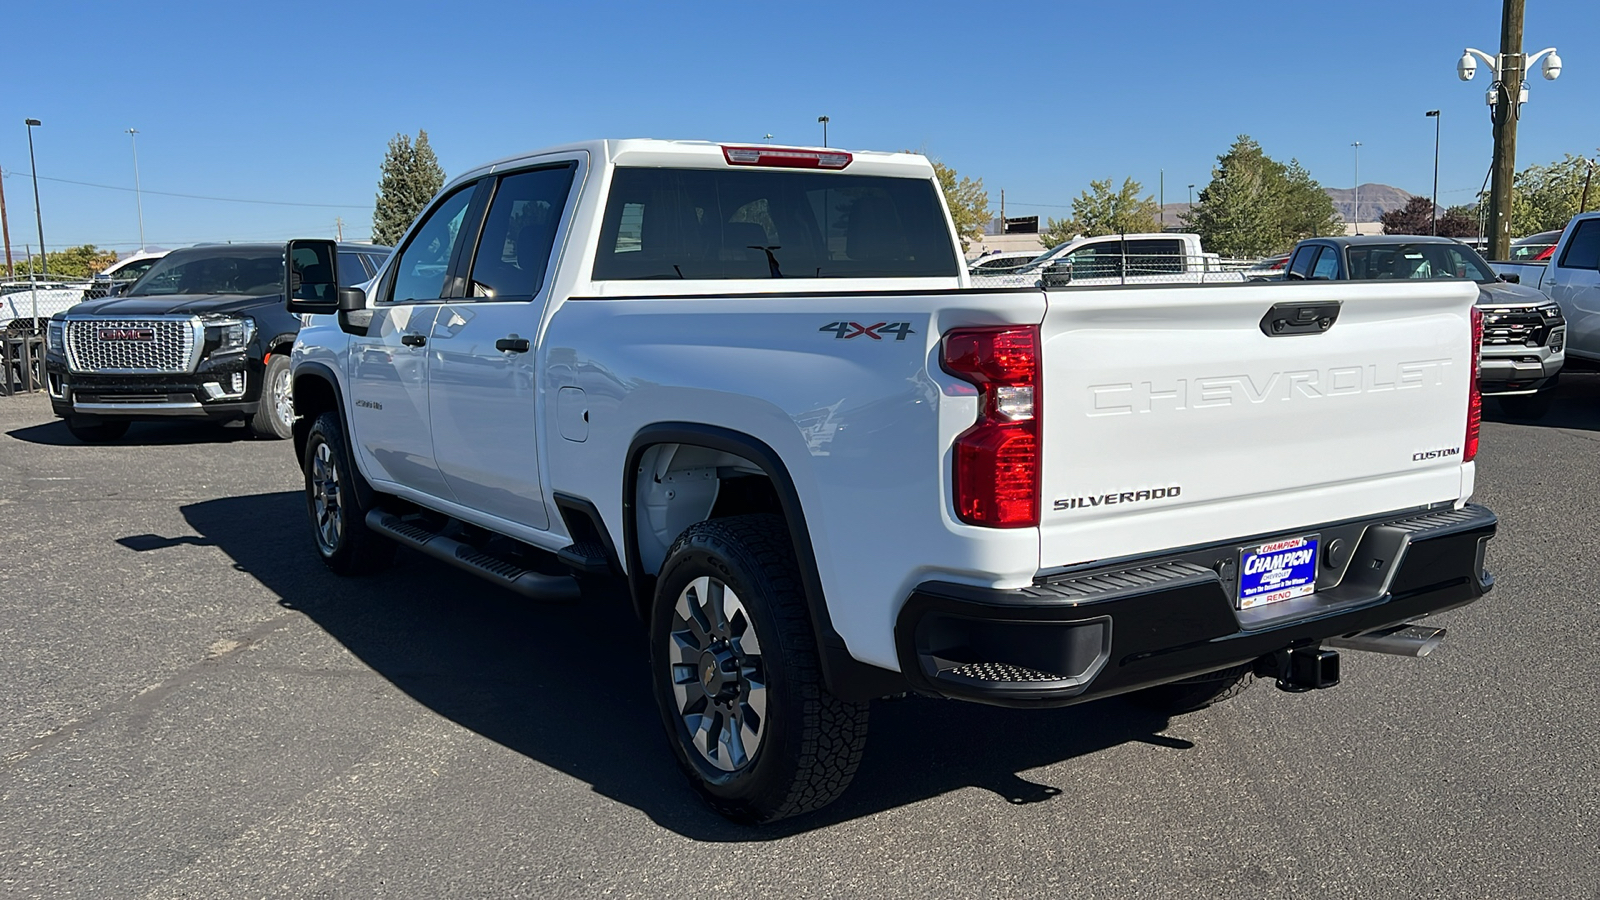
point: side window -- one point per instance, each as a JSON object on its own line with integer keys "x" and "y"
{"x": 425, "y": 261}
{"x": 352, "y": 269}
{"x": 133, "y": 270}
{"x": 375, "y": 261}
{"x": 519, "y": 234}
{"x": 1155, "y": 257}
{"x": 1583, "y": 251}
{"x": 1300, "y": 266}
{"x": 1327, "y": 267}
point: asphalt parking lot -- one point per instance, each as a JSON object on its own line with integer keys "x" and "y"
{"x": 194, "y": 707}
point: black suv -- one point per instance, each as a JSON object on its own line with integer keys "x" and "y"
{"x": 203, "y": 334}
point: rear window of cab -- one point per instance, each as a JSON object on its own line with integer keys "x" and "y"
{"x": 715, "y": 224}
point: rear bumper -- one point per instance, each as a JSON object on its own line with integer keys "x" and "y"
{"x": 1100, "y": 632}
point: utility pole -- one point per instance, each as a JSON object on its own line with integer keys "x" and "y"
{"x": 338, "y": 227}
{"x": 1582, "y": 204}
{"x": 1506, "y": 110}
{"x": 6, "y": 227}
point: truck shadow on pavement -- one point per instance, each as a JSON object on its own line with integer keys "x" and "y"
{"x": 1576, "y": 405}
{"x": 568, "y": 686}
{"x": 141, "y": 434}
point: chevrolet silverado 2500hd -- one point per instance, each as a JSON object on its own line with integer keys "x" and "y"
{"x": 757, "y": 384}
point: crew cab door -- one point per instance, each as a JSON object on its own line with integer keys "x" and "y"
{"x": 483, "y": 384}
{"x": 388, "y": 373}
{"x": 1573, "y": 280}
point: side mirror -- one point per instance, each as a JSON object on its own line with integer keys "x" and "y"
{"x": 1512, "y": 278}
{"x": 116, "y": 289}
{"x": 1058, "y": 274}
{"x": 312, "y": 274}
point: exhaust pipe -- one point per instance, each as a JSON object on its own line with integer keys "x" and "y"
{"x": 1399, "y": 640}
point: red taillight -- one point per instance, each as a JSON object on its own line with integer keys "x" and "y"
{"x": 786, "y": 159}
{"x": 1474, "y": 398}
{"x": 996, "y": 463}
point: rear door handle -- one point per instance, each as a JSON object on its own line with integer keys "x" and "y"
{"x": 512, "y": 344}
{"x": 413, "y": 340}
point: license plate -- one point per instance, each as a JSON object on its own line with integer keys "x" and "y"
{"x": 1276, "y": 571}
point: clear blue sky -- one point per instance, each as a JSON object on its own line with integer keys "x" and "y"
{"x": 294, "y": 102}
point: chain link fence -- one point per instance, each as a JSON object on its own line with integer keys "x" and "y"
{"x": 1103, "y": 265}
{"x": 26, "y": 305}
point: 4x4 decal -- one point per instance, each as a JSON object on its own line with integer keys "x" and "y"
{"x": 844, "y": 331}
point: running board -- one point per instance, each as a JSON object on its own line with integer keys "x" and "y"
{"x": 534, "y": 585}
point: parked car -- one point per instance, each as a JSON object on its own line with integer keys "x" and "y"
{"x": 1270, "y": 268}
{"x": 1001, "y": 262}
{"x": 1570, "y": 276}
{"x": 1524, "y": 334}
{"x": 22, "y": 301}
{"x": 1123, "y": 259}
{"x": 758, "y": 384}
{"x": 202, "y": 334}
{"x": 123, "y": 272}
{"x": 1534, "y": 247}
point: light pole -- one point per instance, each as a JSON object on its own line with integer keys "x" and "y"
{"x": 1434, "y": 209}
{"x": 824, "y": 121}
{"x": 1357, "y": 214}
{"x": 38, "y": 218}
{"x": 1508, "y": 68}
{"x": 1191, "y": 198}
{"x": 133, "y": 135}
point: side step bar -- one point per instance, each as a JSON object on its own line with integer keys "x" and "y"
{"x": 534, "y": 585}
{"x": 1400, "y": 640}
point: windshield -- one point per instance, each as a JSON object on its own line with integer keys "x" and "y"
{"x": 250, "y": 271}
{"x": 1371, "y": 261}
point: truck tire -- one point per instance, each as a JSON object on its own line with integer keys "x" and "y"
{"x": 274, "y": 416}
{"x": 1196, "y": 693}
{"x": 92, "y": 430}
{"x": 737, "y": 677}
{"x": 335, "y": 505}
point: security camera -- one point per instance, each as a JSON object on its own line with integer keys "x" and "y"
{"x": 1552, "y": 67}
{"x": 1466, "y": 67}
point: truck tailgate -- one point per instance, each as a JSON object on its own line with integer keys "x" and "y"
{"x": 1173, "y": 418}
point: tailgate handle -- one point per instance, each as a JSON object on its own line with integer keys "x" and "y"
{"x": 1299, "y": 318}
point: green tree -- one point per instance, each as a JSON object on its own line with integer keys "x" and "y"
{"x": 1545, "y": 198}
{"x": 968, "y": 202}
{"x": 1102, "y": 210}
{"x": 74, "y": 262}
{"x": 1256, "y": 206}
{"x": 410, "y": 177}
{"x": 1057, "y": 232}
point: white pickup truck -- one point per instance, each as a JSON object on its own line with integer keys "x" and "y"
{"x": 1571, "y": 277}
{"x": 757, "y": 385}
{"x": 1160, "y": 258}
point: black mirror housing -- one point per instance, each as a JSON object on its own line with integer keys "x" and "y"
{"x": 1512, "y": 278}
{"x": 312, "y": 274}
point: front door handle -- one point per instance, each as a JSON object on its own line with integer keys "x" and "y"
{"x": 512, "y": 344}
{"x": 413, "y": 340}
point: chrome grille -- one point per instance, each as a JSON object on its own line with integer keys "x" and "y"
{"x": 1513, "y": 327}
{"x": 120, "y": 345}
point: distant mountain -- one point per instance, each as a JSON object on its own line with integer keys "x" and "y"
{"x": 1376, "y": 199}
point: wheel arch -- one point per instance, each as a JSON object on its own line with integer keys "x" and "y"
{"x": 847, "y": 677}
{"x": 315, "y": 391}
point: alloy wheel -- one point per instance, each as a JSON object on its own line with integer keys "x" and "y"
{"x": 718, "y": 676}
{"x": 325, "y": 498}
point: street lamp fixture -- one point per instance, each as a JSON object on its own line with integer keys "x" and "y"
{"x": 38, "y": 218}
{"x": 138, "y": 199}
{"x": 824, "y": 121}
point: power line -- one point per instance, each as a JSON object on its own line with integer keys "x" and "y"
{"x": 113, "y": 187}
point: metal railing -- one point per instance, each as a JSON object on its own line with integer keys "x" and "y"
{"x": 21, "y": 363}
{"x": 1101, "y": 269}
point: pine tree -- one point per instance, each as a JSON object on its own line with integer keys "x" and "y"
{"x": 410, "y": 177}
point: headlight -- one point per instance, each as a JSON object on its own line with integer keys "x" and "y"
{"x": 56, "y": 336}
{"x": 1550, "y": 311}
{"x": 225, "y": 334}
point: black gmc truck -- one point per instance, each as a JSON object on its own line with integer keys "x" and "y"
{"x": 204, "y": 334}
